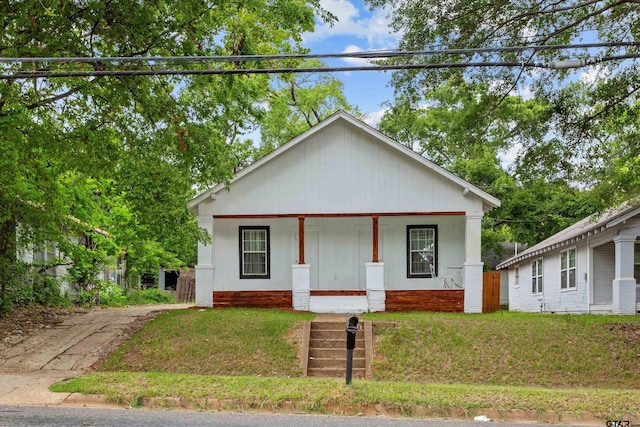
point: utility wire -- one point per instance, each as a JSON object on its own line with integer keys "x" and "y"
{"x": 377, "y": 54}
{"x": 555, "y": 65}
{"x": 100, "y": 64}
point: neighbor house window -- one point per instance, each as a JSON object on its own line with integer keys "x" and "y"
{"x": 422, "y": 251}
{"x": 568, "y": 269}
{"x": 517, "y": 277}
{"x": 536, "y": 276}
{"x": 254, "y": 252}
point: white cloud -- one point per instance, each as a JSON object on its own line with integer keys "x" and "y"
{"x": 509, "y": 156}
{"x": 355, "y": 61}
{"x": 355, "y": 22}
{"x": 373, "y": 119}
{"x": 593, "y": 74}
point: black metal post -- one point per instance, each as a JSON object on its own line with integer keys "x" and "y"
{"x": 352, "y": 329}
{"x": 349, "y": 364}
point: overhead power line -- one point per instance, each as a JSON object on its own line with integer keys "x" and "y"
{"x": 115, "y": 64}
{"x": 375, "y": 54}
{"x": 554, "y": 65}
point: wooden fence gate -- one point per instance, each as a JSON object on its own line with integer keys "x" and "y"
{"x": 186, "y": 286}
{"x": 490, "y": 291}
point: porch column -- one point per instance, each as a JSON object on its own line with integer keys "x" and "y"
{"x": 301, "y": 274}
{"x": 624, "y": 283}
{"x": 301, "y": 286}
{"x": 205, "y": 266}
{"x": 375, "y": 286}
{"x": 375, "y": 239}
{"x": 300, "y": 240}
{"x": 374, "y": 274}
{"x": 472, "y": 270}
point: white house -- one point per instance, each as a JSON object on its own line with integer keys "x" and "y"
{"x": 342, "y": 219}
{"x": 48, "y": 259}
{"x": 590, "y": 267}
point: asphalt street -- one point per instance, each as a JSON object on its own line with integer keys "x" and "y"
{"x": 16, "y": 416}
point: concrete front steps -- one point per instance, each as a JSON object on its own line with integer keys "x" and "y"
{"x": 324, "y": 352}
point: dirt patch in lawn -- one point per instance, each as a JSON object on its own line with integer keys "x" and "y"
{"x": 20, "y": 322}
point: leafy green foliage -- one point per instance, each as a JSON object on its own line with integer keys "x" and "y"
{"x": 117, "y": 158}
{"x": 471, "y": 130}
{"x": 298, "y": 102}
{"x": 570, "y": 136}
{"x": 149, "y": 296}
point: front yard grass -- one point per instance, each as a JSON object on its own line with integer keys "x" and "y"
{"x": 214, "y": 342}
{"x": 511, "y": 349}
{"x": 425, "y": 364}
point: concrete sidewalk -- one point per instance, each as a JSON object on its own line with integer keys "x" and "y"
{"x": 47, "y": 356}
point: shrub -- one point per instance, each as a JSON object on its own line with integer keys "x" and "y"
{"x": 150, "y": 296}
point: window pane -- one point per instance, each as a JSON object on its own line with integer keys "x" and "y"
{"x": 420, "y": 239}
{"x": 572, "y": 258}
{"x": 572, "y": 278}
{"x": 563, "y": 260}
{"x": 420, "y": 263}
{"x": 533, "y": 285}
{"x": 254, "y": 263}
{"x": 563, "y": 279}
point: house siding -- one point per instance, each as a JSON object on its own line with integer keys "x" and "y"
{"x": 337, "y": 250}
{"x": 342, "y": 169}
{"x": 552, "y": 299}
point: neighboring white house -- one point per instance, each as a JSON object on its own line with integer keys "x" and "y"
{"x": 342, "y": 219}
{"x": 589, "y": 267}
{"x": 49, "y": 255}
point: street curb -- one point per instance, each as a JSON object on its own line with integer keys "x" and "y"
{"x": 88, "y": 401}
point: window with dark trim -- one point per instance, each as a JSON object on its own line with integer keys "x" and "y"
{"x": 254, "y": 252}
{"x": 422, "y": 251}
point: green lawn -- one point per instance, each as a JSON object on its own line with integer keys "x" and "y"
{"x": 512, "y": 349}
{"x": 424, "y": 364}
{"x": 214, "y": 342}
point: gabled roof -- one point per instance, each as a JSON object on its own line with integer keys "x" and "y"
{"x": 488, "y": 200}
{"x": 581, "y": 230}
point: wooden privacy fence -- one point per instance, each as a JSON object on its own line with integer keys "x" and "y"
{"x": 186, "y": 287}
{"x": 490, "y": 291}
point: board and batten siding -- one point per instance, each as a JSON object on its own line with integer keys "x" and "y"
{"x": 341, "y": 169}
{"x": 553, "y": 298}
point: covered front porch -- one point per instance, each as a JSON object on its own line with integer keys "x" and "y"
{"x": 345, "y": 262}
{"x": 615, "y": 272}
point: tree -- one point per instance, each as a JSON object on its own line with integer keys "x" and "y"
{"x": 575, "y": 134}
{"x": 451, "y": 127}
{"x": 580, "y": 109}
{"x": 298, "y": 102}
{"x": 152, "y": 139}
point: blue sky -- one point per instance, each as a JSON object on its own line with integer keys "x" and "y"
{"x": 357, "y": 29}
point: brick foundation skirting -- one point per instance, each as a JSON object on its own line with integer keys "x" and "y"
{"x": 253, "y": 299}
{"x": 444, "y": 300}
